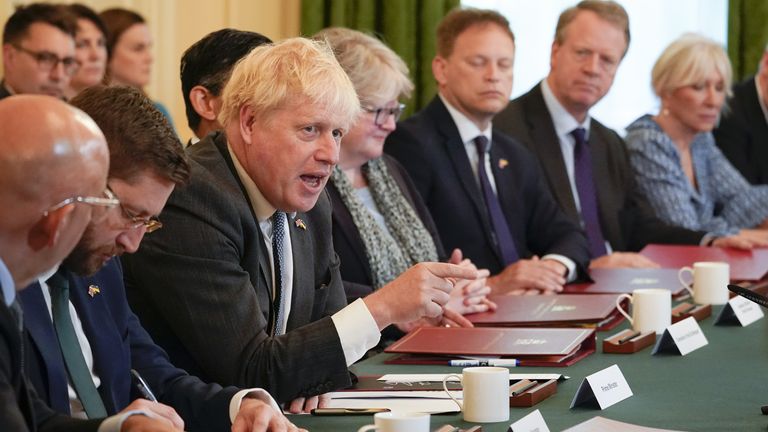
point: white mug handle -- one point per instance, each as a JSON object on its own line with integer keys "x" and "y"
{"x": 622, "y": 311}
{"x": 685, "y": 284}
{"x": 367, "y": 428}
{"x": 445, "y": 387}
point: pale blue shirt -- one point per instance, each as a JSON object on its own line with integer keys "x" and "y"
{"x": 564, "y": 124}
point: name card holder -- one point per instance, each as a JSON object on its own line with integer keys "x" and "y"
{"x": 685, "y": 310}
{"x": 603, "y": 388}
{"x": 681, "y": 338}
{"x": 739, "y": 311}
{"x": 533, "y": 422}
{"x": 628, "y": 342}
{"x": 527, "y": 393}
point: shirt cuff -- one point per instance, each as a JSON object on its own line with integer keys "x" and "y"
{"x": 115, "y": 422}
{"x": 357, "y": 330}
{"x": 707, "y": 239}
{"x": 254, "y": 393}
{"x": 567, "y": 262}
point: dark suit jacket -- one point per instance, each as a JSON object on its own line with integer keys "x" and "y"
{"x": 119, "y": 344}
{"x": 627, "y": 220}
{"x": 355, "y": 269}
{"x": 200, "y": 286}
{"x": 742, "y": 134}
{"x": 429, "y": 146}
{"x": 21, "y": 409}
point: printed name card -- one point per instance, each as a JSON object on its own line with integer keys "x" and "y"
{"x": 607, "y": 387}
{"x": 739, "y": 310}
{"x": 683, "y": 337}
{"x": 533, "y": 422}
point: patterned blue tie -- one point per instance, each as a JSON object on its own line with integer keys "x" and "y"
{"x": 585, "y": 186}
{"x": 278, "y": 224}
{"x": 501, "y": 234}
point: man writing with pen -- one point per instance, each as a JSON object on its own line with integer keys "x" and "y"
{"x": 83, "y": 338}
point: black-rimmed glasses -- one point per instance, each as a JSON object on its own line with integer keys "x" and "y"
{"x": 47, "y": 60}
{"x": 382, "y": 114}
{"x": 134, "y": 221}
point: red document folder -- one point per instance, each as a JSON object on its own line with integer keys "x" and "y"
{"x": 530, "y": 346}
{"x": 745, "y": 265}
{"x": 562, "y": 310}
{"x": 626, "y": 280}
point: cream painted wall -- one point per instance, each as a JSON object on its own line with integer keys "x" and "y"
{"x": 176, "y": 24}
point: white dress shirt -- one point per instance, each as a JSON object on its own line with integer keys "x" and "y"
{"x": 356, "y": 327}
{"x": 7, "y": 284}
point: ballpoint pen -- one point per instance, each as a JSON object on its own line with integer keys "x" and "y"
{"x": 491, "y": 362}
{"x": 142, "y": 386}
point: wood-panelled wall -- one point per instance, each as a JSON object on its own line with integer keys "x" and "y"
{"x": 176, "y": 24}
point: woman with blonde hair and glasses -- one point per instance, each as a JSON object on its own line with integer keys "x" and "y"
{"x": 686, "y": 178}
{"x": 381, "y": 227}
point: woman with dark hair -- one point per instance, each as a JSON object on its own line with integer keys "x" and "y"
{"x": 129, "y": 47}
{"x": 90, "y": 50}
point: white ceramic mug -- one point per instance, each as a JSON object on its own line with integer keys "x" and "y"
{"x": 398, "y": 422}
{"x": 651, "y": 309}
{"x": 710, "y": 282}
{"x": 486, "y": 394}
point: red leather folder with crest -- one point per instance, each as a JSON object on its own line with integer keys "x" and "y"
{"x": 562, "y": 310}
{"x": 626, "y": 280}
{"x": 749, "y": 265}
{"x": 530, "y": 346}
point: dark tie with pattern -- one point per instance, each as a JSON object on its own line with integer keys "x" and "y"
{"x": 79, "y": 374}
{"x": 501, "y": 234}
{"x": 585, "y": 186}
{"x": 278, "y": 224}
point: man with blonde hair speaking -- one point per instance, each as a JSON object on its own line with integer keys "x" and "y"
{"x": 242, "y": 287}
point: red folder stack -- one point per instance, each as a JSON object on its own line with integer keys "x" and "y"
{"x": 626, "y": 280}
{"x": 530, "y": 346}
{"x": 562, "y": 310}
{"x": 749, "y": 265}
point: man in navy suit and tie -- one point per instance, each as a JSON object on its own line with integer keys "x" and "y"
{"x": 65, "y": 154}
{"x": 82, "y": 346}
{"x": 485, "y": 191}
{"x": 585, "y": 163}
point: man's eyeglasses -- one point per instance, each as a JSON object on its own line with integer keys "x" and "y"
{"x": 382, "y": 114}
{"x": 106, "y": 202}
{"x": 134, "y": 221}
{"x": 47, "y": 60}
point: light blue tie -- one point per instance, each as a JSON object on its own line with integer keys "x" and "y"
{"x": 278, "y": 239}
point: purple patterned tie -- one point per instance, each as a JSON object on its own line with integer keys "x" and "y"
{"x": 585, "y": 186}
{"x": 501, "y": 234}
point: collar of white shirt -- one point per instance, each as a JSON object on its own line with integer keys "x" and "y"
{"x": 467, "y": 129}
{"x": 563, "y": 120}
{"x": 6, "y": 282}
{"x": 261, "y": 207}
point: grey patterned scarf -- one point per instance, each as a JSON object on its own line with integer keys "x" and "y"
{"x": 409, "y": 242}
